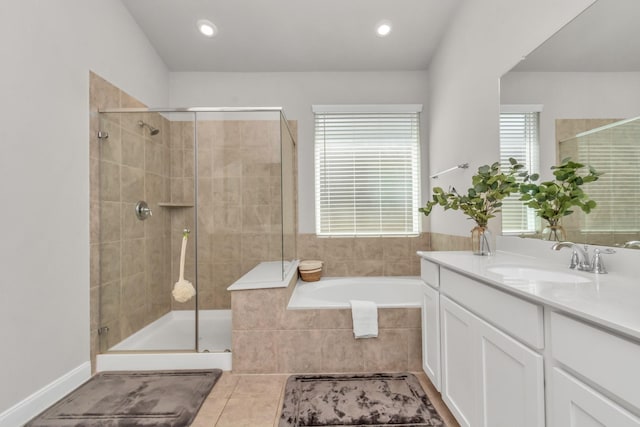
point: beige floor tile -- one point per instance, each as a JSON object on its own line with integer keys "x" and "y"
{"x": 224, "y": 387}
{"x": 259, "y": 386}
{"x": 252, "y": 412}
{"x": 436, "y": 399}
{"x": 256, "y": 401}
{"x": 209, "y": 412}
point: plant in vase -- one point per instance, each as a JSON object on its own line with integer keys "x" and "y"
{"x": 490, "y": 186}
{"x": 553, "y": 200}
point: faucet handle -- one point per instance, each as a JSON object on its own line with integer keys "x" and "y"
{"x": 597, "y": 265}
{"x": 575, "y": 260}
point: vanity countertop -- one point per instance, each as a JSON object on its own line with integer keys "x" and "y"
{"x": 610, "y": 300}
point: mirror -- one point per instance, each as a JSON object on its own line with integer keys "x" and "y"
{"x": 586, "y": 79}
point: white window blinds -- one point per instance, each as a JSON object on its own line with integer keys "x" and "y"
{"x": 367, "y": 170}
{"x": 519, "y": 139}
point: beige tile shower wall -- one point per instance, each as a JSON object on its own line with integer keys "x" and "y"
{"x": 181, "y": 193}
{"x": 129, "y": 258}
{"x": 366, "y": 256}
{"x": 267, "y": 338}
{"x": 239, "y": 201}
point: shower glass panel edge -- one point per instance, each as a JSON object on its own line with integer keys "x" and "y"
{"x": 289, "y": 191}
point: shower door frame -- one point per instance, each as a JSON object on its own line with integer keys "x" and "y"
{"x": 195, "y": 111}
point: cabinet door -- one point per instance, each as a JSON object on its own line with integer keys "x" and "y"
{"x": 511, "y": 381}
{"x": 459, "y": 390}
{"x": 431, "y": 334}
{"x": 576, "y": 404}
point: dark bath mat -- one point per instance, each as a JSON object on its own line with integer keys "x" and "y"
{"x": 132, "y": 399}
{"x": 362, "y": 400}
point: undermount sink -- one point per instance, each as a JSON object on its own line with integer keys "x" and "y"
{"x": 537, "y": 274}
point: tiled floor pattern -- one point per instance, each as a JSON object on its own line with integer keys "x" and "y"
{"x": 256, "y": 400}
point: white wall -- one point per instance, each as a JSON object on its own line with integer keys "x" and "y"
{"x": 571, "y": 96}
{"x": 47, "y": 49}
{"x": 297, "y": 92}
{"x": 486, "y": 39}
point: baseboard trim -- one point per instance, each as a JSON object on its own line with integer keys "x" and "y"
{"x": 28, "y": 408}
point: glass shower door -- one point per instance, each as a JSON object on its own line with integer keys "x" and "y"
{"x": 146, "y": 199}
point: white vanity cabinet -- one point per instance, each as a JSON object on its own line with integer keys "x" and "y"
{"x": 526, "y": 353}
{"x": 431, "y": 334}
{"x": 459, "y": 376}
{"x": 488, "y": 378}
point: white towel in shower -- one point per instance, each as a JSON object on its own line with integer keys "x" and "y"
{"x": 365, "y": 318}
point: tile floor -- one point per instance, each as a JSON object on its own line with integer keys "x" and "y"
{"x": 256, "y": 400}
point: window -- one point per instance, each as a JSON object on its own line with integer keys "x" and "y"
{"x": 367, "y": 170}
{"x": 519, "y": 139}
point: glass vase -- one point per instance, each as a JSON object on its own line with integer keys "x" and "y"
{"x": 481, "y": 241}
{"x": 554, "y": 233}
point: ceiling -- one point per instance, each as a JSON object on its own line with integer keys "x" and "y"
{"x": 605, "y": 37}
{"x": 294, "y": 35}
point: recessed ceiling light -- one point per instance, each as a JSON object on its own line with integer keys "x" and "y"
{"x": 207, "y": 27}
{"x": 383, "y": 28}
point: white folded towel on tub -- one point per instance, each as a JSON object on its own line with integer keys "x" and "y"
{"x": 365, "y": 318}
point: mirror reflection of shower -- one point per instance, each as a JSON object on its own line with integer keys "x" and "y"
{"x": 152, "y": 130}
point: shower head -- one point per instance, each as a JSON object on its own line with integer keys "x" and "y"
{"x": 152, "y": 130}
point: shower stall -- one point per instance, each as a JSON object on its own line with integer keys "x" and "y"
{"x": 223, "y": 177}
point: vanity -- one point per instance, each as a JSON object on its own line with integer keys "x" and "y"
{"x": 512, "y": 340}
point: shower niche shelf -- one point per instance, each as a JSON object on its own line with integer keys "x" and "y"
{"x": 175, "y": 205}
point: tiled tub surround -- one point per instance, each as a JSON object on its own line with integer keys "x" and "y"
{"x": 364, "y": 256}
{"x": 268, "y": 338}
{"x": 448, "y": 242}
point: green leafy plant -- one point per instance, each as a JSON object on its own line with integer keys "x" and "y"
{"x": 555, "y": 199}
{"x": 484, "y": 199}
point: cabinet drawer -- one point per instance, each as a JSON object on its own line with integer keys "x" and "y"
{"x": 430, "y": 272}
{"x": 518, "y": 317}
{"x": 576, "y": 404}
{"x": 606, "y": 359}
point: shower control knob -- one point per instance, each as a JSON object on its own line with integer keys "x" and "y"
{"x": 143, "y": 211}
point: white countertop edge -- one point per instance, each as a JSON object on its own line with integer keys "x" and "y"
{"x": 247, "y": 282}
{"x": 257, "y": 285}
{"x": 444, "y": 258}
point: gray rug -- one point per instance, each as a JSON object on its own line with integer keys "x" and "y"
{"x": 132, "y": 399}
{"x": 362, "y": 400}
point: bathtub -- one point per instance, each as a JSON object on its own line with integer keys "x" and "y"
{"x": 336, "y": 292}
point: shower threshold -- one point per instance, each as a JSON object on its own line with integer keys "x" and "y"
{"x": 168, "y": 343}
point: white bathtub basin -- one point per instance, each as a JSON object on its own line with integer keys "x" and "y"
{"x": 537, "y": 274}
{"x": 336, "y": 292}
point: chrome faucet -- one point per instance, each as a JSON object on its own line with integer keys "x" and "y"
{"x": 635, "y": 244}
{"x": 580, "y": 257}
